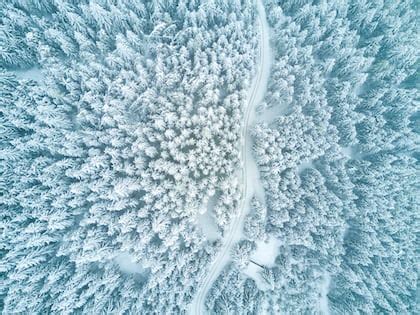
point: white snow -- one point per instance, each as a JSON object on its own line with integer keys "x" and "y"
{"x": 323, "y": 301}
{"x": 347, "y": 151}
{"x": 33, "y": 73}
{"x": 127, "y": 263}
{"x": 264, "y": 255}
{"x": 253, "y": 271}
{"x": 266, "y": 252}
{"x": 265, "y": 306}
{"x": 269, "y": 114}
{"x": 304, "y": 165}
{"x": 353, "y": 152}
{"x": 206, "y": 221}
{"x": 253, "y": 178}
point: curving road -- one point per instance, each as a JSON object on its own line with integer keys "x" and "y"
{"x": 233, "y": 234}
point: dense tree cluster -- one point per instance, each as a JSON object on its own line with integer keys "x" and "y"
{"x": 135, "y": 122}
{"x": 339, "y": 161}
{"x": 132, "y": 122}
{"x": 255, "y": 222}
{"x": 346, "y": 71}
{"x": 241, "y": 253}
{"x": 232, "y": 293}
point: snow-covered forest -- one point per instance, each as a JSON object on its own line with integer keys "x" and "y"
{"x": 129, "y": 124}
{"x": 122, "y": 132}
{"x": 337, "y": 151}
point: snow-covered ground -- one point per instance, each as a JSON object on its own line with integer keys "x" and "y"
{"x": 265, "y": 255}
{"x": 127, "y": 263}
{"x": 266, "y": 252}
{"x": 350, "y": 152}
{"x": 33, "y": 73}
{"x": 353, "y": 152}
{"x": 206, "y": 221}
{"x": 249, "y": 174}
{"x": 305, "y": 165}
{"x": 268, "y": 115}
{"x": 323, "y": 301}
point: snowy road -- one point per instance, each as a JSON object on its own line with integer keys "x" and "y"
{"x": 249, "y": 169}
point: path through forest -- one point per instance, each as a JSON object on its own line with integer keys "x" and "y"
{"x": 249, "y": 174}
